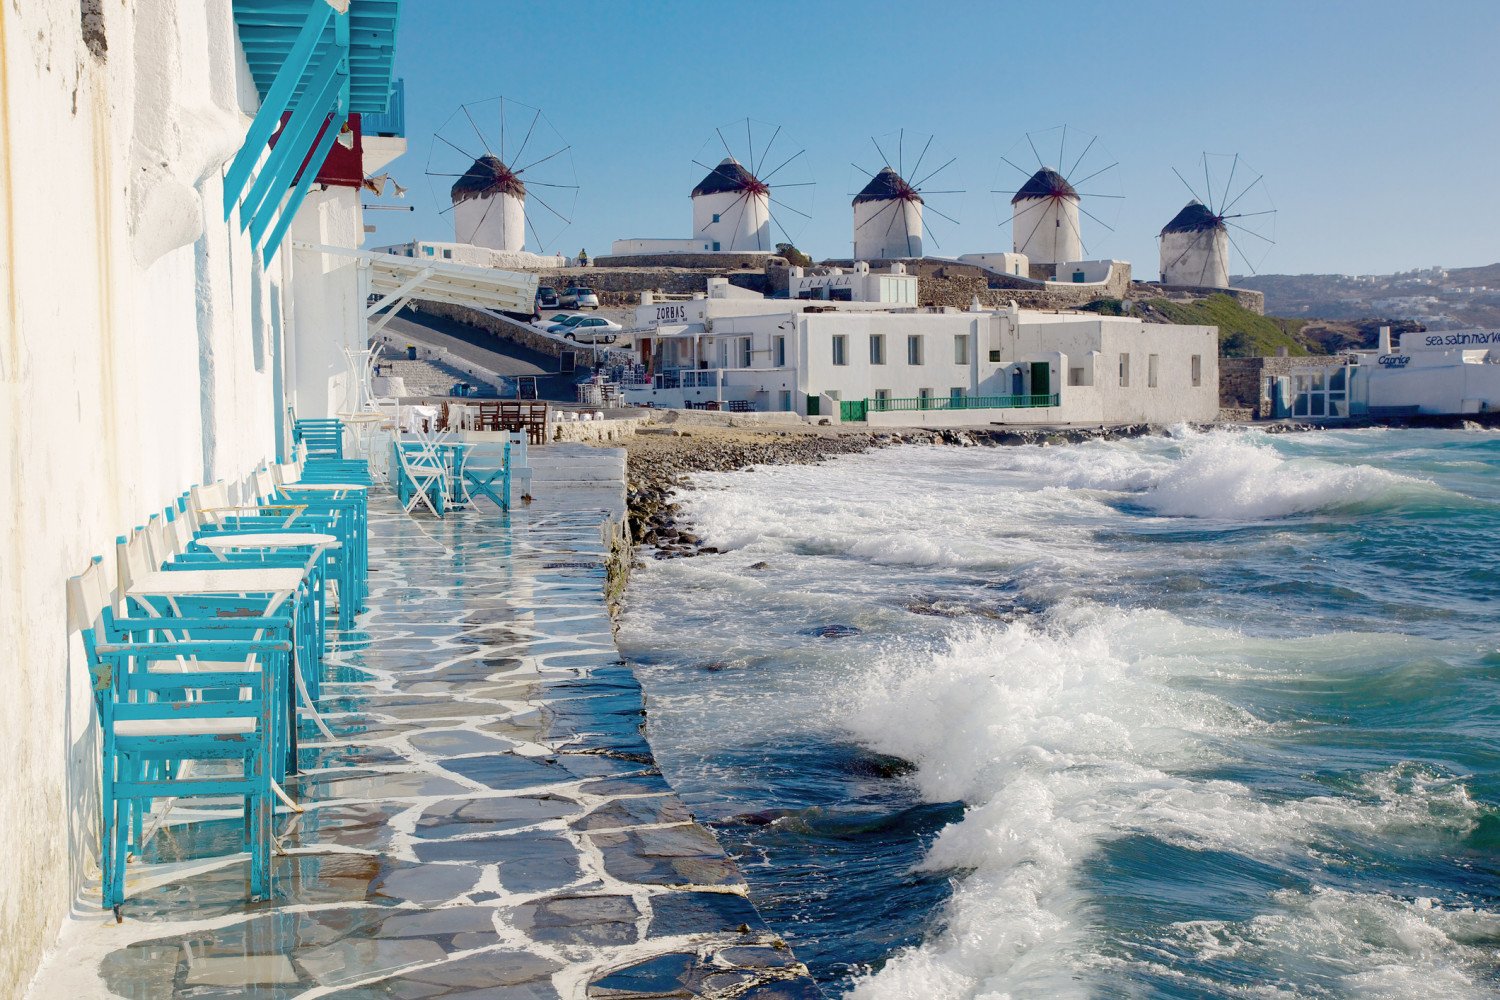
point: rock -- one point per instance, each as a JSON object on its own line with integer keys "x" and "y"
{"x": 759, "y": 565}
{"x": 837, "y": 631}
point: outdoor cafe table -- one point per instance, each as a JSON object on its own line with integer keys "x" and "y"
{"x": 277, "y": 585}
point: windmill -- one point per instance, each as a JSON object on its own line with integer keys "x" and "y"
{"x": 487, "y": 161}
{"x": 735, "y": 205}
{"x": 1045, "y": 209}
{"x": 888, "y": 210}
{"x": 1195, "y": 245}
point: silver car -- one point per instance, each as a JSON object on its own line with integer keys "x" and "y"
{"x": 574, "y": 297}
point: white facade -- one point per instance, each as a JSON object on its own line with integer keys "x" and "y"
{"x": 887, "y": 228}
{"x": 733, "y": 220}
{"x": 145, "y": 348}
{"x": 1017, "y": 265}
{"x": 497, "y": 221}
{"x": 1197, "y": 257}
{"x": 1447, "y": 372}
{"x": 891, "y": 286}
{"x": 1046, "y": 229}
{"x": 909, "y": 366}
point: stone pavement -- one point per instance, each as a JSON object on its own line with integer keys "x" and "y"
{"x": 488, "y": 821}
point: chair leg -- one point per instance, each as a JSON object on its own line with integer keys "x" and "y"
{"x": 261, "y": 817}
{"x": 110, "y": 829}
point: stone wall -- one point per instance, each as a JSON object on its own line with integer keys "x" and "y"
{"x": 716, "y": 262}
{"x": 506, "y": 329}
{"x": 1248, "y": 298}
{"x": 622, "y": 286}
{"x": 1242, "y": 381}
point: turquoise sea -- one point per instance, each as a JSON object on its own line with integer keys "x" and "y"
{"x": 1214, "y": 714}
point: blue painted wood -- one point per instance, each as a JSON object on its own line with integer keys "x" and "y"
{"x": 294, "y": 202}
{"x": 275, "y": 175}
{"x": 275, "y": 103}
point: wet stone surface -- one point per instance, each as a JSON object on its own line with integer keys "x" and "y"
{"x": 486, "y": 822}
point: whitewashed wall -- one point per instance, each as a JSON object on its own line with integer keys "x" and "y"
{"x": 495, "y": 221}
{"x": 136, "y": 358}
{"x": 744, "y": 221}
{"x": 1196, "y": 258}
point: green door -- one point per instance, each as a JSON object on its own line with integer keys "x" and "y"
{"x": 853, "y": 409}
{"x": 1041, "y": 378}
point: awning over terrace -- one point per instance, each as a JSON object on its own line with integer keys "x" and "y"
{"x": 314, "y": 62}
{"x": 399, "y": 279}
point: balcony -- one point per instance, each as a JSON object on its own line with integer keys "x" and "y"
{"x": 393, "y": 121}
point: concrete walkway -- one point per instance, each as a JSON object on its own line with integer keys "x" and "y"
{"x": 488, "y": 822}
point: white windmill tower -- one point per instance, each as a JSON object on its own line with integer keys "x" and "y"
{"x": 1195, "y": 245}
{"x": 888, "y": 210}
{"x": 732, "y": 205}
{"x": 489, "y": 206}
{"x": 495, "y": 181}
{"x": 1045, "y": 211}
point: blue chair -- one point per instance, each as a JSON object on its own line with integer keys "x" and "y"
{"x": 484, "y": 471}
{"x": 166, "y": 697}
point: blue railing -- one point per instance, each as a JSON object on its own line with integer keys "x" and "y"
{"x": 393, "y": 122}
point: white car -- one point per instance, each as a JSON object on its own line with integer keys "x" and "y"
{"x": 593, "y": 330}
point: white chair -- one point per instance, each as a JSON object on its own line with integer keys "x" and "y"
{"x": 424, "y": 470}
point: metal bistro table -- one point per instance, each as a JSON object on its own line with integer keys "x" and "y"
{"x": 276, "y": 585}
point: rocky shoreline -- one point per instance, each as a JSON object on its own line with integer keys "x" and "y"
{"x": 661, "y": 459}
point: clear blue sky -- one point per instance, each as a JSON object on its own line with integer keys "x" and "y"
{"x": 1375, "y": 123}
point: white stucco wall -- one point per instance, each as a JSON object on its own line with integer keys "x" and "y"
{"x": 744, "y": 221}
{"x": 136, "y": 358}
{"x": 621, "y": 248}
{"x": 1046, "y": 230}
{"x": 890, "y": 228}
{"x": 1014, "y": 264}
{"x": 1196, "y": 258}
{"x": 326, "y": 303}
{"x": 495, "y": 221}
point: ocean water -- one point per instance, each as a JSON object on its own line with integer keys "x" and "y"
{"x": 1203, "y": 715}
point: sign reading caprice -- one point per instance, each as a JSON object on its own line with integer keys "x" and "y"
{"x": 1393, "y": 360}
{"x": 1461, "y": 339}
{"x": 674, "y": 312}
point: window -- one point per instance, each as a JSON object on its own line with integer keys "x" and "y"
{"x": 778, "y": 351}
{"x": 427, "y": 251}
{"x": 1125, "y": 369}
{"x": 716, "y": 219}
{"x": 877, "y": 348}
{"x": 956, "y": 397}
{"x": 744, "y": 352}
{"x": 1153, "y": 364}
{"x": 1197, "y": 369}
{"x": 914, "y": 349}
{"x": 961, "y": 349}
{"x": 924, "y": 399}
{"x": 882, "y": 399}
{"x": 448, "y": 254}
{"x": 1075, "y": 376}
{"x": 716, "y": 245}
{"x": 840, "y": 349}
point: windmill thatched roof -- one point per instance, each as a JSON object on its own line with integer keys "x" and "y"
{"x": 488, "y": 176}
{"x": 1045, "y": 183}
{"x": 1194, "y": 218}
{"x": 729, "y": 177}
{"x": 888, "y": 186}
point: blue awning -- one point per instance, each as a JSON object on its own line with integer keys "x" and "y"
{"x": 268, "y": 30}
{"x": 314, "y": 62}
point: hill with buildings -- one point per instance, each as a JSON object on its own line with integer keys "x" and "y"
{"x": 1436, "y": 297}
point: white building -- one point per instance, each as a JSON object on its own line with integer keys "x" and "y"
{"x": 475, "y": 256}
{"x": 887, "y": 218}
{"x": 892, "y": 363}
{"x": 1195, "y": 248}
{"x": 1044, "y": 219}
{"x": 489, "y": 206}
{"x": 1449, "y": 372}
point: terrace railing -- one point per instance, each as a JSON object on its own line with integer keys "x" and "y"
{"x": 916, "y": 403}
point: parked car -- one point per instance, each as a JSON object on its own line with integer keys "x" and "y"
{"x": 546, "y": 298}
{"x": 548, "y": 322}
{"x": 575, "y": 297}
{"x": 594, "y": 330}
{"x": 566, "y": 322}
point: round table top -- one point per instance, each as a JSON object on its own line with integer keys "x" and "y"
{"x": 332, "y": 487}
{"x": 364, "y": 417}
{"x": 268, "y": 540}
